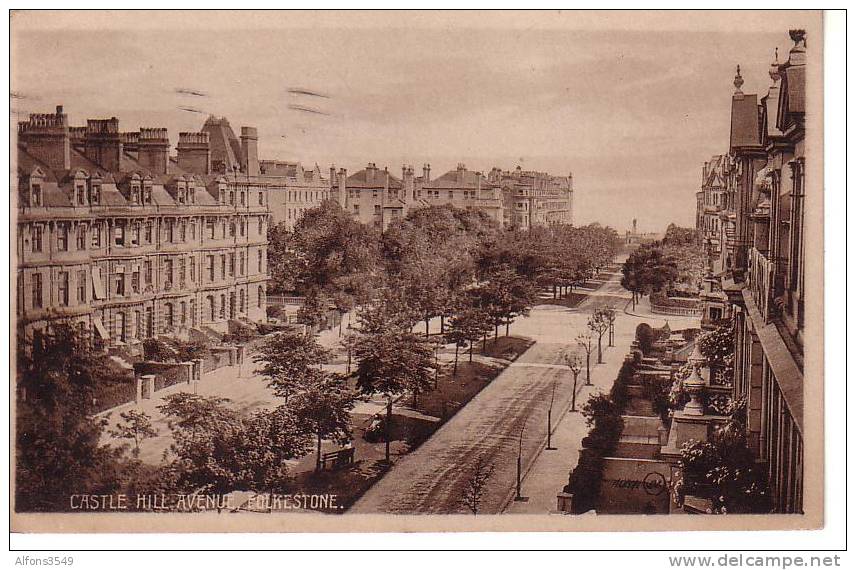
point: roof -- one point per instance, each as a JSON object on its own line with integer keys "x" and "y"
{"x": 795, "y": 84}
{"x": 360, "y": 180}
{"x": 744, "y": 121}
{"x": 222, "y": 141}
{"x": 468, "y": 179}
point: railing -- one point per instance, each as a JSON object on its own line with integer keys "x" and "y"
{"x": 760, "y": 280}
{"x": 676, "y": 311}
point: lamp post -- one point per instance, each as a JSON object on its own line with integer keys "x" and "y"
{"x": 550, "y": 421}
{"x": 518, "y": 496}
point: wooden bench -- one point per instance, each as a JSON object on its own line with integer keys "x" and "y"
{"x": 338, "y": 459}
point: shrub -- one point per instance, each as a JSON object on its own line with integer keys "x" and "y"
{"x": 157, "y": 350}
{"x": 645, "y": 337}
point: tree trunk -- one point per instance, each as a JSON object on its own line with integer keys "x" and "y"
{"x": 554, "y": 290}
{"x": 318, "y": 455}
{"x": 507, "y": 324}
{"x": 442, "y": 324}
{"x": 495, "y": 333}
{"x": 599, "y": 350}
{"x": 388, "y": 424}
{"x": 427, "y": 320}
{"x": 588, "y": 368}
{"x": 455, "y": 369}
{"x": 484, "y": 343}
{"x": 471, "y": 351}
{"x": 574, "y": 395}
{"x": 341, "y": 318}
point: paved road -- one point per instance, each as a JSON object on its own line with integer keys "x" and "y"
{"x": 432, "y": 479}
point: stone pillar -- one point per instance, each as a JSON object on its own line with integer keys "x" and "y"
{"x": 199, "y": 369}
{"x": 565, "y": 502}
{"x": 148, "y": 386}
{"x": 138, "y": 396}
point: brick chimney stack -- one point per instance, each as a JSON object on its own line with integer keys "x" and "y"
{"x": 102, "y": 143}
{"x": 153, "y": 149}
{"x": 342, "y": 179}
{"x": 250, "y": 150}
{"x": 46, "y": 137}
{"x": 194, "y": 152}
{"x": 426, "y": 173}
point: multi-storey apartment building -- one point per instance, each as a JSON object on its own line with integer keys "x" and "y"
{"x": 118, "y": 236}
{"x": 534, "y": 198}
{"x": 373, "y": 196}
{"x": 291, "y": 189}
{"x": 711, "y": 209}
{"x": 764, "y": 281}
{"x": 462, "y": 188}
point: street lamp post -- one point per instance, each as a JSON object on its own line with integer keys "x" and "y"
{"x": 550, "y": 420}
{"x": 518, "y": 496}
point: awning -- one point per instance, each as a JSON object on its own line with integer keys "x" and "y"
{"x": 99, "y": 327}
{"x": 97, "y": 284}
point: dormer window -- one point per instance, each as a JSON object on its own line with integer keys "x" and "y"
{"x": 80, "y": 193}
{"x": 37, "y": 195}
{"x": 181, "y": 195}
{"x": 232, "y": 198}
{"x": 222, "y": 196}
{"x": 192, "y": 195}
{"x": 96, "y": 194}
{"x": 135, "y": 194}
{"x": 147, "y": 195}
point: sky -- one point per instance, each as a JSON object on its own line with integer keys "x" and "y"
{"x": 631, "y": 104}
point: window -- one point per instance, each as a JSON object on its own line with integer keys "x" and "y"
{"x": 81, "y": 286}
{"x": 150, "y": 322}
{"x": 135, "y": 281}
{"x": 181, "y": 193}
{"x": 182, "y": 233}
{"x": 62, "y": 237}
{"x": 223, "y": 265}
{"x": 261, "y": 256}
{"x": 169, "y": 315}
{"x": 192, "y": 193}
{"x": 192, "y": 313}
{"x": 451, "y": 194}
{"x": 242, "y": 301}
{"x": 242, "y": 263}
{"x": 210, "y": 268}
{"x": 222, "y": 196}
{"x": 192, "y": 269}
{"x": 183, "y": 313}
{"x": 79, "y": 192}
{"x": 120, "y": 326}
{"x": 182, "y": 275}
{"x": 148, "y": 269}
{"x": 62, "y": 288}
{"x": 232, "y": 307}
{"x": 170, "y": 231}
{"x": 37, "y": 290}
{"x": 232, "y": 264}
{"x": 37, "y": 238}
{"x": 210, "y": 228}
{"x": 232, "y": 197}
{"x": 96, "y": 194}
{"x": 261, "y": 198}
{"x": 243, "y": 227}
{"x": 138, "y": 324}
{"x": 243, "y": 199}
{"x": 222, "y": 306}
{"x": 149, "y": 228}
{"x": 37, "y": 195}
{"x": 261, "y": 226}
{"x": 232, "y": 229}
{"x": 356, "y": 208}
{"x": 81, "y": 237}
{"x": 136, "y": 233}
{"x": 261, "y": 296}
{"x": 377, "y": 209}
{"x": 212, "y": 310}
{"x": 193, "y": 230}
{"x": 120, "y": 284}
{"x": 167, "y": 270}
{"x": 119, "y": 235}
{"x": 147, "y": 195}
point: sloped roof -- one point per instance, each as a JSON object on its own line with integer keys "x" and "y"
{"x": 222, "y": 141}
{"x": 468, "y": 179}
{"x": 795, "y": 82}
{"x": 744, "y": 121}
{"x": 360, "y": 180}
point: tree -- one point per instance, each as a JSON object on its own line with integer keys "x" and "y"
{"x": 467, "y": 328}
{"x": 575, "y": 364}
{"x": 286, "y": 360}
{"x": 586, "y": 342}
{"x": 134, "y": 425}
{"x": 391, "y": 362}
{"x": 598, "y": 323}
{"x": 58, "y": 450}
{"x": 324, "y": 406}
{"x": 476, "y": 485}
{"x": 216, "y": 450}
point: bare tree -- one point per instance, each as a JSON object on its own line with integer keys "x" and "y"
{"x": 586, "y": 342}
{"x": 476, "y": 485}
{"x": 135, "y": 425}
{"x": 598, "y": 323}
{"x": 574, "y": 362}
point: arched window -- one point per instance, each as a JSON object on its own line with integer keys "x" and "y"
{"x": 261, "y": 296}
{"x": 212, "y": 309}
{"x": 169, "y": 315}
{"x": 242, "y": 302}
{"x": 120, "y": 327}
{"x": 222, "y": 306}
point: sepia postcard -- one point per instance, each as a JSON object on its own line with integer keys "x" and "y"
{"x": 402, "y": 271}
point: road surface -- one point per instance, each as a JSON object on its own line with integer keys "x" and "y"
{"x": 433, "y": 478}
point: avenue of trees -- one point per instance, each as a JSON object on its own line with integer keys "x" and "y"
{"x": 438, "y": 262}
{"x": 673, "y": 265}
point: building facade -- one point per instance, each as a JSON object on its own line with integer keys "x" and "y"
{"x": 534, "y": 198}
{"x": 118, "y": 236}
{"x": 764, "y": 268}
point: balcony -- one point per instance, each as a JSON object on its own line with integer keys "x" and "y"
{"x": 760, "y": 280}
